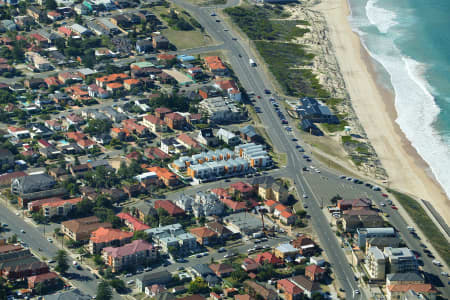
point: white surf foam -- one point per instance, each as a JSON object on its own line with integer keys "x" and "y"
{"x": 380, "y": 17}
{"x": 414, "y": 101}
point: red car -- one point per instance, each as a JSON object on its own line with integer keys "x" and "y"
{"x": 394, "y": 207}
{"x": 259, "y": 97}
{"x": 384, "y": 195}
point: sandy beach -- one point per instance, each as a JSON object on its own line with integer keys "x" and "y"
{"x": 374, "y": 105}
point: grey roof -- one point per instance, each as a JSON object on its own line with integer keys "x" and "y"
{"x": 203, "y": 270}
{"x": 409, "y": 276}
{"x": 69, "y": 295}
{"x": 157, "y": 277}
{"x": 33, "y": 183}
{"x": 212, "y": 280}
{"x": 377, "y": 253}
{"x": 248, "y": 130}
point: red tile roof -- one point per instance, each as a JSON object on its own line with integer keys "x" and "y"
{"x": 242, "y": 187}
{"x": 289, "y": 287}
{"x": 314, "y": 269}
{"x": 134, "y": 223}
{"x": 268, "y": 257}
{"x": 104, "y": 235}
{"x": 169, "y": 206}
{"x": 203, "y": 232}
{"x": 154, "y": 120}
{"x": 416, "y": 287}
{"x": 42, "y": 277}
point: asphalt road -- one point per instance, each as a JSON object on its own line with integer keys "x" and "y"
{"x": 35, "y": 240}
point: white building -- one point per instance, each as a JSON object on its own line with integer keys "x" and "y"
{"x": 172, "y": 236}
{"x": 255, "y": 154}
{"x": 202, "y": 204}
{"x": 228, "y": 137}
{"x": 376, "y": 263}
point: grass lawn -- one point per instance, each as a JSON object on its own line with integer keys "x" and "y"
{"x": 186, "y": 39}
{"x": 420, "y": 217}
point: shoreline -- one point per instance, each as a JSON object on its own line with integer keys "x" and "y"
{"x": 408, "y": 172}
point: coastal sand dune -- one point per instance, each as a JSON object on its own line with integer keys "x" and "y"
{"x": 374, "y": 106}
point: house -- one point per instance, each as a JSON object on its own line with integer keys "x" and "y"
{"x": 104, "y": 237}
{"x": 160, "y": 42}
{"x": 268, "y": 258}
{"x": 284, "y": 251}
{"x": 35, "y": 13}
{"x": 161, "y": 277}
{"x": 309, "y": 287}
{"x": 69, "y": 76}
{"x": 207, "y": 138}
{"x": 398, "y": 291}
{"x": 215, "y": 65}
{"x": 249, "y": 265}
{"x": 314, "y": 272}
{"x": 249, "y": 134}
{"x": 142, "y": 209}
{"x": 204, "y": 235}
{"x": 7, "y": 178}
{"x": 310, "y": 127}
{"x": 175, "y": 121}
{"x": 188, "y": 142}
{"x": 33, "y": 187}
{"x": 50, "y": 279}
{"x": 98, "y": 92}
{"x": 208, "y": 92}
{"x": 131, "y": 83}
{"x": 231, "y": 88}
{"x": 222, "y": 232}
{"x": 201, "y": 270}
{"x": 161, "y": 112}
{"x": 81, "y": 229}
{"x": 305, "y": 245}
{"x": 117, "y": 77}
{"x": 73, "y": 294}
{"x": 169, "y": 207}
{"x": 355, "y": 204}
{"x": 156, "y": 290}
{"x": 287, "y": 217}
{"x": 289, "y": 289}
{"x": 220, "y": 111}
{"x": 135, "y": 253}
{"x": 256, "y": 290}
{"x": 221, "y": 270}
{"x": 228, "y": 137}
{"x": 34, "y": 83}
{"x": 242, "y": 190}
{"x": 315, "y": 112}
{"x": 167, "y": 177}
{"x": 273, "y": 190}
{"x": 375, "y": 263}
{"x": 352, "y": 223}
{"x": 132, "y": 223}
{"x": 154, "y": 123}
{"x": 22, "y": 267}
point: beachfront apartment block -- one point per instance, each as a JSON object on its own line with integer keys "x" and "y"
{"x": 401, "y": 260}
{"x": 375, "y": 264}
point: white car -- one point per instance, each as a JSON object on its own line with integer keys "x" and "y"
{"x": 17, "y": 213}
{"x": 305, "y": 196}
{"x": 22, "y": 231}
{"x": 130, "y": 282}
{"x": 357, "y": 292}
{"x": 444, "y": 274}
{"x": 49, "y": 240}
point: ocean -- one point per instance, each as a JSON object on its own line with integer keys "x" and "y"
{"x": 409, "y": 41}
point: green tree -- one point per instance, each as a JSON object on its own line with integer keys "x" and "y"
{"x": 104, "y": 291}
{"x": 98, "y": 260}
{"x": 51, "y": 4}
{"x": 118, "y": 285}
{"x": 140, "y": 235}
{"x": 198, "y": 286}
{"x": 12, "y": 239}
{"x": 61, "y": 261}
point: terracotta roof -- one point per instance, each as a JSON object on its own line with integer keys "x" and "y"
{"x": 203, "y": 232}
{"x": 163, "y": 110}
{"x": 221, "y": 268}
{"x": 289, "y": 287}
{"x": 286, "y": 214}
{"x": 164, "y": 56}
{"x": 9, "y": 248}
{"x": 129, "y": 249}
{"x": 270, "y": 203}
{"x": 188, "y": 140}
{"x": 169, "y": 206}
{"x": 104, "y": 235}
{"x": 234, "y": 205}
{"x": 62, "y": 202}
{"x": 314, "y": 269}
{"x": 7, "y": 178}
{"x": 135, "y": 223}
{"x": 174, "y": 116}
{"x": 267, "y": 257}
{"x": 416, "y": 287}
{"x": 154, "y": 120}
{"x": 162, "y": 172}
{"x": 114, "y": 85}
{"x": 131, "y": 81}
{"x": 42, "y": 277}
{"x": 85, "y": 225}
{"x": 281, "y": 207}
{"x": 112, "y": 77}
{"x": 242, "y": 187}
{"x": 302, "y": 241}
